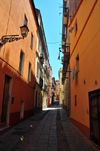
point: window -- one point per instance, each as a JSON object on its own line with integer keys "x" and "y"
{"x": 29, "y": 72}
{"x": 76, "y": 28}
{"x": 64, "y": 32}
{"x": 31, "y": 41}
{"x": 12, "y": 100}
{"x": 75, "y": 100}
{"x": 25, "y": 20}
{"x": 21, "y": 62}
{"x": 37, "y": 69}
{"x": 73, "y": 74}
{"x": 41, "y": 73}
{"x": 77, "y": 64}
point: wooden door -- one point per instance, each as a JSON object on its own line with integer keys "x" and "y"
{"x": 5, "y": 100}
{"x": 94, "y": 102}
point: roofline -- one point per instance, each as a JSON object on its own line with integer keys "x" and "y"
{"x": 35, "y": 12}
{"x": 76, "y": 12}
{"x": 84, "y": 26}
{"x": 47, "y": 53}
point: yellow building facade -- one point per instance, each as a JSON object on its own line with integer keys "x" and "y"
{"x": 61, "y": 89}
{"x": 41, "y": 72}
{"x": 84, "y": 64}
{"x": 17, "y": 62}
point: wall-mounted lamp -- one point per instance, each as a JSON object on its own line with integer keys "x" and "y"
{"x": 10, "y": 38}
{"x": 71, "y": 29}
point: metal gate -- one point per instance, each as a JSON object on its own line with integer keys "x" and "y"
{"x": 94, "y": 103}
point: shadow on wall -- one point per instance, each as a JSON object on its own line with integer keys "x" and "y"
{"x": 21, "y": 91}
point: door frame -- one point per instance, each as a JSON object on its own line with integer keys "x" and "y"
{"x": 97, "y": 95}
{"x": 36, "y": 98}
{"x": 9, "y": 99}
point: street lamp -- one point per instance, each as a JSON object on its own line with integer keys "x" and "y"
{"x": 10, "y": 38}
{"x": 24, "y": 31}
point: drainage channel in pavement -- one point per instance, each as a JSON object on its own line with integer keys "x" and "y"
{"x": 61, "y": 137}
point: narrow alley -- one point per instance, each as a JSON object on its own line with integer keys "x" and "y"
{"x": 48, "y": 130}
{"x": 49, "y": 77}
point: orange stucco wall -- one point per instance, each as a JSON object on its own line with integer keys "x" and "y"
{"x": 11, "y": 18}
{"x": 86, "y": 44}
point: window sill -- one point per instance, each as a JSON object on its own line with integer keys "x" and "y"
{"x": 20, "y": 73}
{"x": 29, "y": 81}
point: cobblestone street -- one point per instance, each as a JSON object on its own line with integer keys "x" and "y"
{"x": 49, "y": 130}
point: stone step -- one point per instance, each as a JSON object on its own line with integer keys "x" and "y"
{"x": 3, "y": 124}
{"x": 4, "y": 129}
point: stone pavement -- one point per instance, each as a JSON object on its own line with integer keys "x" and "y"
{"x": 49, "y": 130}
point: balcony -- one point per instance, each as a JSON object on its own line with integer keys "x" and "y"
{"x": 64, "y": 37}
{"x": 67, "y": 55}
{"x": 41, "y": 82}
{"x": 65, "y": 60}
{"x": 66, "y": 49}
{"x": 65, "y": 11}
{"x": 65, "y": 67}
{"x": 66, "y": 46}
{"x": 47, "y": 73}
{"x": 66, "y": 52}
{"x": 45, "y": 88}
{"x": 41, "y": 59}
{"x": 65, "y": 15}
{"x": 64, "y": 74}
{"x": 63, "y": 81}
{"x": 64, "y": 33}
{"x": 64, "y": 2}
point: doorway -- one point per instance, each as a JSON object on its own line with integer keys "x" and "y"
{"x": 6, "y": 99}
{"x": 94, "y": 103}
{"x": 22, "y": 110}
{"x": 52, "y": 98}
{"x": 36, "y": 102}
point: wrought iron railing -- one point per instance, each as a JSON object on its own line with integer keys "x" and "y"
{"x": 66, "y": 11}
{"x": 41, "y": 59}
{"x": 45, "y": 87}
